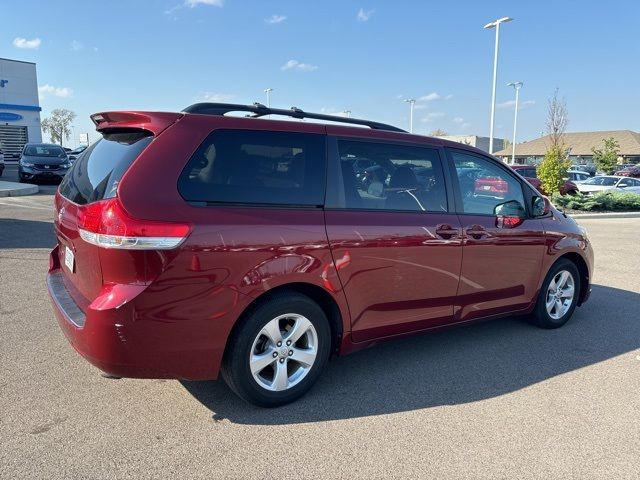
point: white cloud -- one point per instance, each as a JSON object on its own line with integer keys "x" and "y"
{"x": 512, "y": 103}
{"x": 465, "y": 125}
{"x": 458, "y": 120}
{"x": 420, "y": 106}
{"x": 61, "y": 92}
{"x": 195, "y": 3}
{"x": 431, "y": 116}
{"x": 364, "y": 15}
{"x": 20, "y": 42}
{"x": 76, "y": 46}
{"x": 300, "y": 67}
{"x": 428, "y": 98}
{"x": 273, "y": 19}
{"x": 449, "y": 97}
{"x": 216, "y": 97}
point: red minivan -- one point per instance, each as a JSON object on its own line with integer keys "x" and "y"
{"x": 195, "y": 244}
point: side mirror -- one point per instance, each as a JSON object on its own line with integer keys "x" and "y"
{"x": 540, "y": 206}
{"x": 509, "y": 214}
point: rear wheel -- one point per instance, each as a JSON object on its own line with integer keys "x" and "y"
{"x": 279, "y": 351}
{"x": 558, "y": 296}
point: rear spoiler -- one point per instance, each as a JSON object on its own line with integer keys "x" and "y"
{"x": 154, "y": 122}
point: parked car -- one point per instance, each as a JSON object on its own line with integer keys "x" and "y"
{"x": 606, "y": 182}
{"x": 590, "y": 168}
{"x": 531, "y": 174}
{"x": 633, "y": 171}
{"x": 75, "y": 153}
{"x": 1, "y": 160}
{"x": 577, "y": 176}
{"x": 195, "y": 244}
{"x": 42, "y": 161}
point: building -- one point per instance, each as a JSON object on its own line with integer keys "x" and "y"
{"x": 19, "y": 106}
{"x": 579, "y": 145}
{"x": 475, "y": 141}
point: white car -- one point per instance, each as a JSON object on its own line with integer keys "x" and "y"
{"x": 607, "y": 182}
{"x": 578, "y": 176}
{"x": 1, "y": 160}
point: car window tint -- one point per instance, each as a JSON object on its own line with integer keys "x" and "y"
{"x": 97, "y": 173}
{"x": 257, "y": 167}
{"x": 383, "y": 176}
{"x": 483, "y": 184}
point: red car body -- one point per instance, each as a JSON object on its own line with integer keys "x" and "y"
{"x": 629, "y": 172}
{"x": 169, "y": 313}
{"x": 567, "y": 188}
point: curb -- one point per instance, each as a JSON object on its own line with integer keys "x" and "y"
{"x": 12, "y": 189}
{"x": 605, "y": 215}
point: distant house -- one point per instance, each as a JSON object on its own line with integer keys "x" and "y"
{"x": 475, "y": 141}
{"x": 579, "y": 145}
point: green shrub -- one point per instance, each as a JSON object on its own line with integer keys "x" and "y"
{"x": 607, "y": 201}
{"x": 553, "y": 169}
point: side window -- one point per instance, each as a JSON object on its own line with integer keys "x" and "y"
{"x": 629, "y": 182}
{"x": 484, "y": 185}
{"x": 383, "y": 176}
{"x": 257, "y": 167}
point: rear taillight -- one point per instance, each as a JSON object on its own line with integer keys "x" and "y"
{"x": 106, "y": 224}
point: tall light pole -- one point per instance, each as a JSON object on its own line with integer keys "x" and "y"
{"x": 516, "y": 86}
{"x": 347, "y": 113}
{"x": 496, "y": 25}
{"x": 268, "y": 92}
{"x": 411, "y": 102}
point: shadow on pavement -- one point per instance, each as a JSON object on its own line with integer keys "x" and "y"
{"x": 16, "y": 233}
{"x": 451, "y": 367}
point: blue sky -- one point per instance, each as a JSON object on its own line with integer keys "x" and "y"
{"x": 329, "y": 56}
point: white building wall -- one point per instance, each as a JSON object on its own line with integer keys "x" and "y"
{"x": 19, "y": 97}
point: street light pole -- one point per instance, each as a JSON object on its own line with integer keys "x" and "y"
{"x": 347, "y": 113}
{"x": 517, "y": 86}
{"x": 411, "y": 102}
{"x": 496, "y": 25}
{"x": 268, "y": 92}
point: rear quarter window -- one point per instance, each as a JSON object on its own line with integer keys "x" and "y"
{"x": 257, "y": 167}
{"x": 96, "y": 173}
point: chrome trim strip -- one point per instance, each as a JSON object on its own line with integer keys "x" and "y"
{"x": 63, "y": 300}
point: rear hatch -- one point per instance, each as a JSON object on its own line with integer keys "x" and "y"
{"x": 93, "y": 178}
{"x": 88, "y": 195}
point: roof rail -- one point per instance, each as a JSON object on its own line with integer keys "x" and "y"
{"x": 259, "y": 110}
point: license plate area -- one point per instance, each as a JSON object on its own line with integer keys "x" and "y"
{"x": 69, "y": 260}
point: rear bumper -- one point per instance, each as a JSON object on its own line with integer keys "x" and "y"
{"x": 120, "y": 336}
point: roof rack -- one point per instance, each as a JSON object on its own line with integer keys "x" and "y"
{"x": 259, "y": 110}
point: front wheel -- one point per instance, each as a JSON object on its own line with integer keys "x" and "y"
{"x": 279, "y": 351}
{"x": 558, "y": 296}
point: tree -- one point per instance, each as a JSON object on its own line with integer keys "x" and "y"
{"x": 606, "y": 158}
{"x": 58, "y": 124}
{"x": 438, "y": 132}
{"x": 553, "y": 169}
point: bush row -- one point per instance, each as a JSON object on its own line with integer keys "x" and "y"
{"x": 606, "y": 201}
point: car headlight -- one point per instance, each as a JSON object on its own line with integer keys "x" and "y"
{"x": 66, "y": 165}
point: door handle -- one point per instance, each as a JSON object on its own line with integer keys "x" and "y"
{"x": 446, "y": 232}
{"x": 476, "y": 232}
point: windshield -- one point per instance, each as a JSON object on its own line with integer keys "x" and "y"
{"x": 605, "y": 181}
{"x": 43, "y": 151}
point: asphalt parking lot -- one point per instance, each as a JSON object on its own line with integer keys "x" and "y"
{"x": 500, "y": 399}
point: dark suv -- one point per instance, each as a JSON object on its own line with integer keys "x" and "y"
{"x": 192, "y": 244}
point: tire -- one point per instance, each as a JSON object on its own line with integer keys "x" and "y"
{"x": 299, "y": 365}
{"x": 558, "y": 313}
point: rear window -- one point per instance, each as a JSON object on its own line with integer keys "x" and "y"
{"x": 256, "y": 167}
{"x": 95, "y": 175}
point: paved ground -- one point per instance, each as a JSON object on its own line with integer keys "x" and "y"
{"x": 495, "y": 400}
